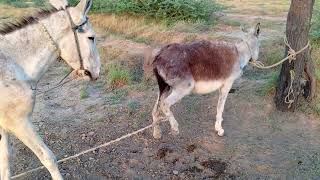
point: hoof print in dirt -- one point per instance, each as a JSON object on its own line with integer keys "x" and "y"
{"x": 233, "y": 90}
{"x": 219, "y": 167}
{"x": 191, "y": 148}
{"x": 194, "y": 169}
{"x": 162, "y": 152}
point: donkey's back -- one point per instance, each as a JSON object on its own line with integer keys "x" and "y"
{"x": 202, "y": 60}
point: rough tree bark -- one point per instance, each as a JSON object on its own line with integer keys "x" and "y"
{"x": 297, "y": 31}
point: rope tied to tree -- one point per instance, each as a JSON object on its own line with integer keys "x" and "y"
{"x": 292, "y": 55}
{"x": 289, "y": 99}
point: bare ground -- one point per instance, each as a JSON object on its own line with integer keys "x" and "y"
{"x": 260, "y": 142}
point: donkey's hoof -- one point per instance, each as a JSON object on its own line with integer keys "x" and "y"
{"x": 221, "y": 132}
{"x": 156, "y": 134}
{"x": 175, "y": 132}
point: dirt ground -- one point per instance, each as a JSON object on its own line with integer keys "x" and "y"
{"x": 259, "y": 141}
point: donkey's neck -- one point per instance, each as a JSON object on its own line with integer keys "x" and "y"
{"x": 32, "y": 49}
{"x": 244, "y": 53}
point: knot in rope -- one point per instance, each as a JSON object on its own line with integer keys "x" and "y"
{"x": 292, "y": 55}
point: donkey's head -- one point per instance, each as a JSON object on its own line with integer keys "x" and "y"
{"x": 77, "y": 42}
{"x": 251, "y": 38}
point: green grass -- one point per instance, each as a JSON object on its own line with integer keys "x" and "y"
{"x": 315, "y": 28}
{"x": 268, "y": 85}
{"x": 117, "y": 76}
{"x": 84, "y": 93}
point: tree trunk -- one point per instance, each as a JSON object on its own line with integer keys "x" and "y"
{"x": 297, "y": 31}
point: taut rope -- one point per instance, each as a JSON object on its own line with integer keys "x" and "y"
{"x": 291, "y": 56}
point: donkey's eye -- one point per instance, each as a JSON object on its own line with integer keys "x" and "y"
{"x": 80, "y": 29}
{"x": 91, "y": 38}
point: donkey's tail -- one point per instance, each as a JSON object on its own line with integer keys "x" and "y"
{"x": 149, "y": 57}
{"x": 163, "y": 86}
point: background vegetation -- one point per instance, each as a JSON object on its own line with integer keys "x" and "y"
{"x": 169, "y": 10}
{"x": 315, "y": 30}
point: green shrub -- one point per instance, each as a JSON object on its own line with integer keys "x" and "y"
{"x": 315, "y": 29}
{"x": 171, "y": 10}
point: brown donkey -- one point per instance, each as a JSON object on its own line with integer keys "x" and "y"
{"x": 200, "y": 67}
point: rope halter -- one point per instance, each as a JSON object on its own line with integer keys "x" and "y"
{"x": 75, "y": 29}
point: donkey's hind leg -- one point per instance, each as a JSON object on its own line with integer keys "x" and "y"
{"x": 177, "y": 93}
{"x": 25, "y": 131}
{"x": 4, "y": 155}
{"x": 223, "y": 94}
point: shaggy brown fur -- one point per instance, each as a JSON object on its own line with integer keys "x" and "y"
{"x": 203, "y": 60}
{"x": 25, "y": 21}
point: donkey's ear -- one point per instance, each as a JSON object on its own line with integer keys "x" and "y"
{"x": 84, "y": 6}
{"x": 243, "y": 28}
{"x": 59, "y": 4}
{"x": 257, "y": 30}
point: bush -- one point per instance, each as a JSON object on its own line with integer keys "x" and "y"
{"x": 172, "y": 10}
{"x": 315, "y": 29}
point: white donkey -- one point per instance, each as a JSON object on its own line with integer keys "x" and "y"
{"x": 27, "y": 48}
{"x": 200, "y": 67}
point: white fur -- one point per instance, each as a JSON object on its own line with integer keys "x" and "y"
{"x": 204, "y": 87}
{"x": 25, "y": 55}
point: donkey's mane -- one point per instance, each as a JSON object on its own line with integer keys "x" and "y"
{"x": 14, "y": 25}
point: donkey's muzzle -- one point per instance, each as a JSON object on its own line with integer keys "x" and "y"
{"x": 86, "y": 73}
{"x": 93, "y": 77}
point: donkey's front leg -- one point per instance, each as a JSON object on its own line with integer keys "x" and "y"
{"x": 25, "y": 131}
{"x": 156, "y": 120}
{"x": 4, "y": 155}
{"x": 223, "y": 94}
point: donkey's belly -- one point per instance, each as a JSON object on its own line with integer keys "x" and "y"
{"x": 204, "y": 87}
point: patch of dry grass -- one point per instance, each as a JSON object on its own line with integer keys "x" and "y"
{"x": 142, "y": 30}
{"x": 9, "y": 13}
{"x": 270, "y": 7}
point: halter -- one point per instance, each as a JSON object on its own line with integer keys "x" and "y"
{"x": 75, "y": 28}
{"x": 78, "y": 28}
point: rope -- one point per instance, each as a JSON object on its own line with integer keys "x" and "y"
{"x": 87, "y": 151}
{"x": 59, "y": 84}
{"x": 292, "y": 55}
{"x": 289, "y": 99}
